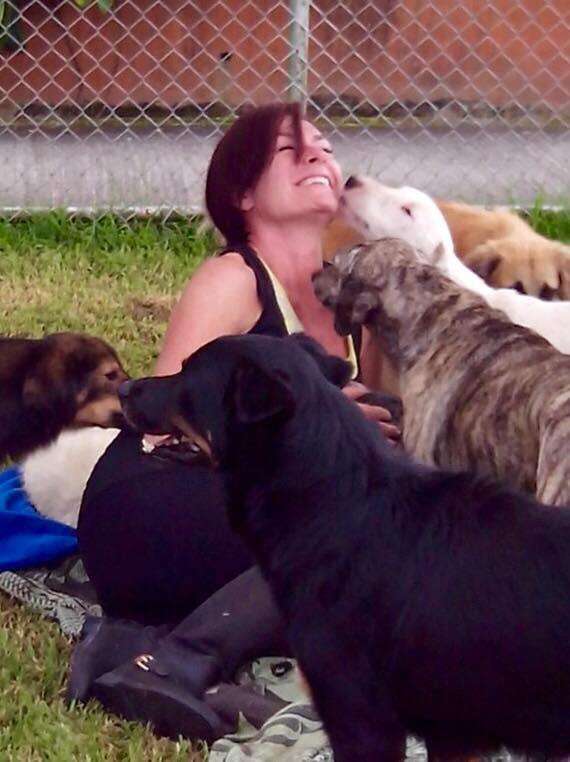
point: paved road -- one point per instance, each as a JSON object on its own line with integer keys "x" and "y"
{"x": 154, "y": 170}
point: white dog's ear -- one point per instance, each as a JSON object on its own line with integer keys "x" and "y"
{"x": 438, "y": 253}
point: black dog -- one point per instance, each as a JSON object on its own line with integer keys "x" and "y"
{"x": 416, "y": 600}
{"x": 64, "y": 380}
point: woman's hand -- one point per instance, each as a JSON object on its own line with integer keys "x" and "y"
{"x": 380, "y": 415}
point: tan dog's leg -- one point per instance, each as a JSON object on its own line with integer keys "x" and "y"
{"x": 539, "y": 268}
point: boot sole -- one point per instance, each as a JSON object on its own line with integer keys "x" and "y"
{"x": 151, "y": 700}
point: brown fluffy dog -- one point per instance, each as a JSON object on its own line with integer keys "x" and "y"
{"x": 497, "y": 244}
{"x": 65, "y": 380}
{"x": 479, "y": 392}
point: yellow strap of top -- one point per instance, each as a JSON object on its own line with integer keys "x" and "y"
{"x": 292, "y": 322}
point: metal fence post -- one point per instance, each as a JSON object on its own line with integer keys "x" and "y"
{"x": 299, "y": 55}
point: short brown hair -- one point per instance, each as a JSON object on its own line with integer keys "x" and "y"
{"x": 239, "y": 160}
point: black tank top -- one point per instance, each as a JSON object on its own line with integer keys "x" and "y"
{"x": 272, "y": 321}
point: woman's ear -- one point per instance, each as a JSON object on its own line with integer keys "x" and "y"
{"x": 246, "y": 203}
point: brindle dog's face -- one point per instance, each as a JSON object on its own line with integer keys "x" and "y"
{"x": 350, "y": 286}
{"x": 79, "y": 373}
{"x": 225, "y": 389}
{"x": 361, "y": 283}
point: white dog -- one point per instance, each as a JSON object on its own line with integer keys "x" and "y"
{"x": 378, "y": 211}
{"x": 55, "y": 477}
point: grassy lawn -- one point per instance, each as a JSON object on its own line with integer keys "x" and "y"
{"x": 118, "y": 281}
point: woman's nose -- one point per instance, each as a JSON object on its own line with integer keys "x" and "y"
{"x": 312, "y": 153}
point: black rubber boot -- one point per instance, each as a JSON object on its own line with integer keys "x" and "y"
{"x": 105, "y": 644}
{"x": 171, "y": 685}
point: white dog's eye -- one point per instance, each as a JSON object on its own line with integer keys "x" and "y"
{"x": 407, "y": 210}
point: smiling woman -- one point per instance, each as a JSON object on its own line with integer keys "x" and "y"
{"x": 273, "y": 185}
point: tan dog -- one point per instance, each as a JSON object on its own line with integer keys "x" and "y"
{"x": 504, "y": 250}
{"x": 479, "y": 392}
{"x": 497, "y": 244}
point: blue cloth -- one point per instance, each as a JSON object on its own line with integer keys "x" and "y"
{"x": 26, "y": 537}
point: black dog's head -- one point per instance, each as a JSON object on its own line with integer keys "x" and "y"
{"x": 230, "y": 386}
{"x": 74, "y": 379}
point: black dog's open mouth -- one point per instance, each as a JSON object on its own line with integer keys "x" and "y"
{"x": 184, "y": 445}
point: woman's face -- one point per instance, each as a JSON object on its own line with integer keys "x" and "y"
{"x": 292, "y": 188}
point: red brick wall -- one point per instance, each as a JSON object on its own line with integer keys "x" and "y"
{"x": 496, "y": 51}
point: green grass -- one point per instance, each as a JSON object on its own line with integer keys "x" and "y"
{"x": 108, "y": 277}
{"x": 552, "y": 224}
{"x": 117, "y": 280}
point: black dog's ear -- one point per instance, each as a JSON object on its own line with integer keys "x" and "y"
{"x": 334, "y": 369}
{"x": 260, "y": 395}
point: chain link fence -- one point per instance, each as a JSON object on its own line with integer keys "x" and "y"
{"x": 118, "y": 104}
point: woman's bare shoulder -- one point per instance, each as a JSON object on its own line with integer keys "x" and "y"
{"x": 230, "y": 267}
{"x": 223, "y": 288}
{"x": 219, "y": 299}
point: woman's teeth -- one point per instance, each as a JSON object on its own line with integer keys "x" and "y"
{"x": 320, "y": 180}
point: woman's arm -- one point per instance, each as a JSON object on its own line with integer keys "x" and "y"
{"x": 219, "y": 299}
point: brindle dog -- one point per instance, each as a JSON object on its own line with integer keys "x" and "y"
{"x": 65, "y": 380}
{"x": 478, "y": 391}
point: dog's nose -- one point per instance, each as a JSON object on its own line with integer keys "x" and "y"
{"x": 125, "y": 388}
{"x": 352, "y": 182}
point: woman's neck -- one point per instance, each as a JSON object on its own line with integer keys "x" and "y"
{"x": 292, "y": 255}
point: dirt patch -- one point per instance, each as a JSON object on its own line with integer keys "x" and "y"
{"x": 155, "y": 307}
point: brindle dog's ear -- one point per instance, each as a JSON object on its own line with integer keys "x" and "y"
{"x": 260, "y": 395}
{"x": 356, "y": 306}
{"x": 334, "y": 369}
